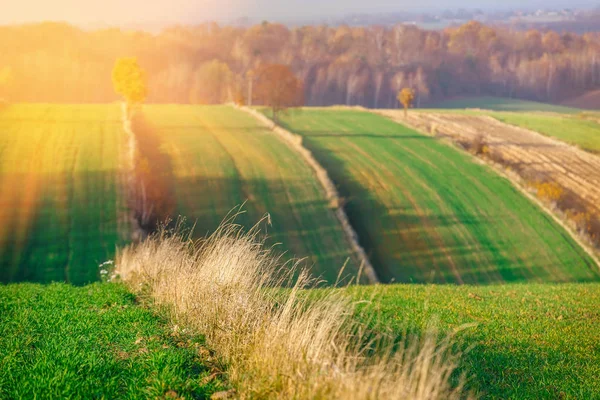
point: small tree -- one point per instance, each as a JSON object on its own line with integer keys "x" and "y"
{"x": 406, "y": 98}
{"x": 277, "y": 87}
{"x": 129, "y": 80}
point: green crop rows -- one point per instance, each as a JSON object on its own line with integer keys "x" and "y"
{"x": 428, "y": 213}
{"x": 222, "y": 158}
{"x": 61, "y": 214}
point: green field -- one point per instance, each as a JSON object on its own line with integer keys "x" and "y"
{"x": 61, "y": 214}
{"x": 221, "y": 158}
{"x": 502, "y": 104}
{"x": 531, "y": 341}
{"x": 426, "y": 212}
{"x": 571, "y": 129}
{"x": 59, "y": 341}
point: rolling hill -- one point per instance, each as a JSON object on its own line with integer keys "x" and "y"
{"x": 501, "y": 104}
{"x": 533, "y": 341}
{"x": 426, "y": 212}
{"x": 220, "y": 158}
{"x": 62, "y": 213}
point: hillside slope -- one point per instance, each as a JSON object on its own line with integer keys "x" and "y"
{"x": 63, "y": 342}
{"x": 220, "y": 158}
{"x": 62, "y": 211}
{"x": 428, "y": 213}
{"x": 502, "y": 104}
{"x": 529, "y": 341}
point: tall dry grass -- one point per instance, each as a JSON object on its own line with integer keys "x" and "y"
{"x": 281, "y": 343}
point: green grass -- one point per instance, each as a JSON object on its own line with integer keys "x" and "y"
{"x": 60, "y": 341}
{"x": 426, "y": 212}
{"x": 502, "y": 104}
{"x": 570, "y": 129}
{"x": 61, "y": 213}
{"x": 531, "y": 341}
{"x": 221, "y": 157}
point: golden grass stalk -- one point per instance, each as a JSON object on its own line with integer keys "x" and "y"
{"x": 281, "y": 343}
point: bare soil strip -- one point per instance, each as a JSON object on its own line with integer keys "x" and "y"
{"x": 295, "y": 143}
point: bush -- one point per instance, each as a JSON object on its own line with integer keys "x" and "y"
{"x": 550, "y": 191}
{"x": 479, "y": 146}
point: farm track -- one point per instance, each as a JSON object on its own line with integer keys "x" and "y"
{"x": 575, "y": 170}
{"x": 425, "y": 212}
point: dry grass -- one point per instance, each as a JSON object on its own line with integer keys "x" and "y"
{"x": 281, "y": 343}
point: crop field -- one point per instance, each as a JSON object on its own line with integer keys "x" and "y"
{"x": 220, "y": 158}
{"x": 502, "y": 104}
{"x": 575, "y": 170}
{"x": 529, "y": 341}
{"x": 426, "y": 212}
{"x": 572, "y": 129}
{"x": 59, "y": 341}
{"x": 60, "y": 210}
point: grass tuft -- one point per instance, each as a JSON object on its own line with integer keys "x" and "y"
{"x": 282, "y": 343}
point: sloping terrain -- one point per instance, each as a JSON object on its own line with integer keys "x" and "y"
{"x": 61, "y": 213}
{"x": 582, "y": 131}
{"x": 220, "y": 158}
{"x": 526, "y": 341}
{"x": 587, "y": 101}
{"x": 575, "y": 170}
{"x": 427, "y": 213}
{"x": 502, "y": 104}
{"x": 63, "y": 342}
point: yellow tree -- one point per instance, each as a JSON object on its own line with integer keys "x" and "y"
{"x": 406, "y": 98}
{"x": 129, "y": 80}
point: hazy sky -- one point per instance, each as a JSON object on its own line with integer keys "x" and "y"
{"x": 189, "y": 11}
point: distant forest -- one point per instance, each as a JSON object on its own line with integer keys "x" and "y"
{"x": 55, "y": 62}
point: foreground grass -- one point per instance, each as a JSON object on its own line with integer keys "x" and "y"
{"x": 60, "y": 341}
{"x": 531, "y": 341}
{"x": 283, "y": 344}
{"x": 426, "y": 212}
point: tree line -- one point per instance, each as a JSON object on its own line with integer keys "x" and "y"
{"x": 365, "y": 66}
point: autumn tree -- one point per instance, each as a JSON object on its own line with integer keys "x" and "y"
{"x": 212, "y": 83}
{"x": 129, "y": 80}
{"x": 277, "y": 87}
{"x": 406, "y": 98}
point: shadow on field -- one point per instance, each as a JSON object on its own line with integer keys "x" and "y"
{"x": 423, "y": 248}
{"x": 152, "y": 197}
{"x": 300, "y": 222}
{"x": 329, "y": 134}
{"x": 62, "y": 231}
